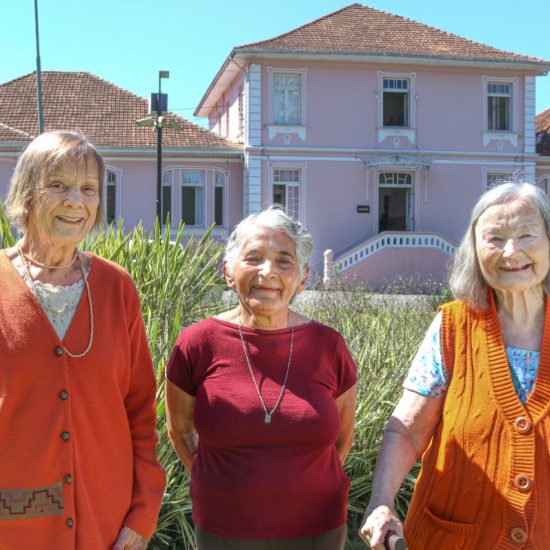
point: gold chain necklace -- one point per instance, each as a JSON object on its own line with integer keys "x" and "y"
{"x": 35, "y": 291}
{"x": 268, "y": 413}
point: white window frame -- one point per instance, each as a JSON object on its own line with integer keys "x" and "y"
{"x": 408, "y": 132}
{"x": 280, "y": 128}
{"x": 300, "y": 185}
{"x": 510, "y": 135}
{"x": 488, "y": 173}
{"x": 182, "y": 184}
{"x": 215, "y": 172}
{"x": 118, "y": 175}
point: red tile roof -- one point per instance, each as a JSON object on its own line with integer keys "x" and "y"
{"x": 106, "y": 113}
{"x": 543, "y": 122}
{"x": 358, "y": 29}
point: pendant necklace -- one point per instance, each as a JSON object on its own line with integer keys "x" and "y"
{"x": 268, "y": 413}
{"x": 35, "y": 291}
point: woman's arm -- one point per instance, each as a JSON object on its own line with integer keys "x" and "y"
{"x": 181, "y": 428}
{"x": 407, "y": 435}
{"x": 346, "y": 408}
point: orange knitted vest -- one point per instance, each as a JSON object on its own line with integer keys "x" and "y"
{"x": 485, "y": 478}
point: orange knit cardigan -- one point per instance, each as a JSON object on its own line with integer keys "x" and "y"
{"x": 77, "y": 436}
{"x": 485, "y": 478}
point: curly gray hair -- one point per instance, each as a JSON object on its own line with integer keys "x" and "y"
{"x": 274, "y": 218}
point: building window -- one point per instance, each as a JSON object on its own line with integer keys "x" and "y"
{"x": 395, "y": 102}
{"x": 192, "y": 197}
{"x": 499, "y": 106}
{"x": 287, "y": 98}
{"x": 111, "y": 186}
{"x": 166, "y": 197}
{"x": 494, "y": 179}
{"x": 286, "y": 190}
{"x": 219, "y": 196}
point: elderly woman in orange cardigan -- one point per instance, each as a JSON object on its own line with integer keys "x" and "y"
{"x": 78, "y": 465}
{"x": 476, "y": 401}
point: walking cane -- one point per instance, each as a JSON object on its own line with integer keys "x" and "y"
{"x": 393, "y": 541}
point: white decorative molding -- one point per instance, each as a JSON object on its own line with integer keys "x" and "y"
{"x": 512, "y": 137}
{"x": 275, "y": 129}
{"x": 399, "y": 159}
{"x": 253, "y": 106}
{"x": 393, "y": 239}
{"x": 529, "y": 115}
{"x": 396, "y": 132}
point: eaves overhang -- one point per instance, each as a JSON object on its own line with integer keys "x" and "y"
{"x": 238, "y": 58}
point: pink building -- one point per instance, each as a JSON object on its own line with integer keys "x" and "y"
{"x": 378, "y": 132}
{"x": 202, "y": 172}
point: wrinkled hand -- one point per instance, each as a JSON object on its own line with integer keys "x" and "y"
{"x": 376, "y": 523}
{"x": 130, "y": 540}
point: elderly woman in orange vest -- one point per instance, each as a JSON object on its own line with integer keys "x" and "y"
{"x": 78, "y": 465}
{"x": 477, "y": 398}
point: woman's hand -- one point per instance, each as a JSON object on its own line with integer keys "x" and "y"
{"x": 128, "y": 539}
{"x": 376, "y": 523}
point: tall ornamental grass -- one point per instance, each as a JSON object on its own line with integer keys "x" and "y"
{"x": 180, "y": 284}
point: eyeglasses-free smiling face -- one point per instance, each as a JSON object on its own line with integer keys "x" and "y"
{"x": 266, "y": 274}
{"x": 65, "y": 205}
{"x": 512, "y": 246}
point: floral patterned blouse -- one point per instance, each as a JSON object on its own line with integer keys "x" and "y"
{"x": 427, "y": 375}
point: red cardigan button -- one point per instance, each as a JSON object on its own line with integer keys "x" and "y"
{"x": 518, "y": 535}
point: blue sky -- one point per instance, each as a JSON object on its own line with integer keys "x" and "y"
{"x": 128, "y": 41}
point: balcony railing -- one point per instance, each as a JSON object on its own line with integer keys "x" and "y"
{"x": 393, "y": 239}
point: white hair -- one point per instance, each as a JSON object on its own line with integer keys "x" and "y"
{"x": 274, "y": 218}
{"x": 465, "y": 278}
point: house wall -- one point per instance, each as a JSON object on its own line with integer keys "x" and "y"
{"x": 417, "y": 265}
{"x": 137, "y": 181}
{"x": 7, "y": 165}
{"x": 342, "y": 99}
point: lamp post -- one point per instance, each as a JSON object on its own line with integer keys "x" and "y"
{"x": 161, "y": 102}
{"x": 158, "y": 104}
{"x": 38, "y": 72}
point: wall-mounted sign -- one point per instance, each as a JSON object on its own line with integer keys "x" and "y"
{"x": 363, "y": 208}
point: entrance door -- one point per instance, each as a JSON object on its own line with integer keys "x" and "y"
{"x": 395, "y": 202}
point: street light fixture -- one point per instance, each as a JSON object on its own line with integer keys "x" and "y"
{"x": 158, "y": 105}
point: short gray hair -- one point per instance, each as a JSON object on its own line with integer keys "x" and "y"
{"x": 38, "y": 161}
{"x": 274, "y": 218}
{"x": 465, "y": 278}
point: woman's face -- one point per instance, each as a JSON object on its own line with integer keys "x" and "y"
{"x": 266, "y": 274}
{"x": 512, "y": 246}
{"x": 65, "y": 206}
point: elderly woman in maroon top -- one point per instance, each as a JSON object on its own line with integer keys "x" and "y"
{"x": 271, "y": 395}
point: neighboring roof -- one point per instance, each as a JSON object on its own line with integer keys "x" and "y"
{"x": 362, "y": 32}
{"x": 362, "y": 29}
{"x": 542, "y": 122}
{"x": 106, "y": 113}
